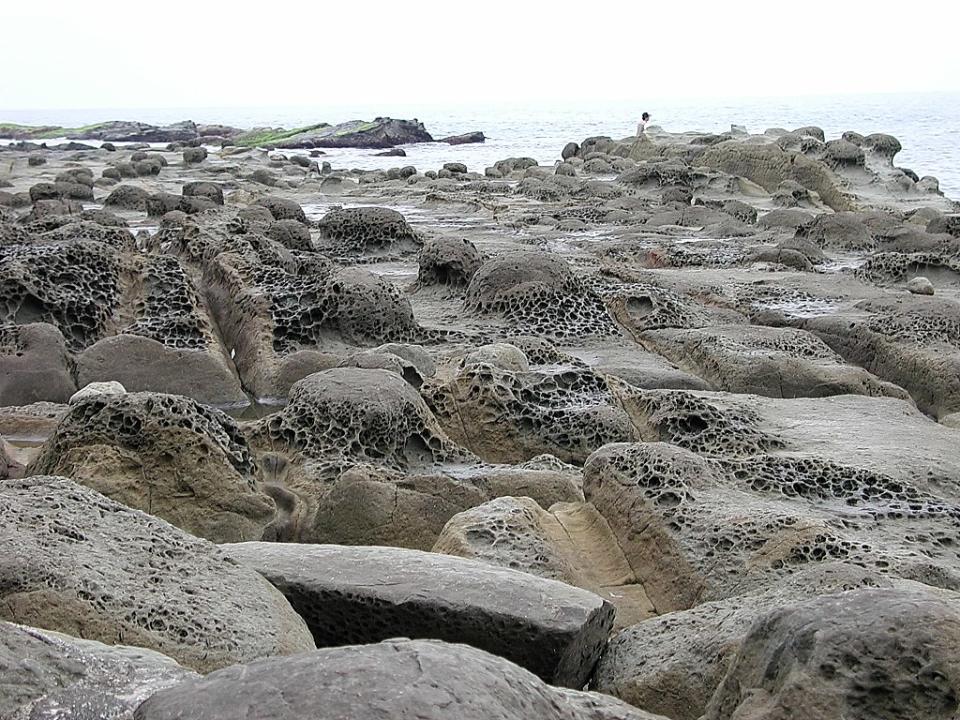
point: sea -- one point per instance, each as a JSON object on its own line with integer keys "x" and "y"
{"x": 927, "y": 124}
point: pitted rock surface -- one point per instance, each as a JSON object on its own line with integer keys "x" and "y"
{"x": 354, "y": 415}
{"x": 74, "y": 286}
{"x": 673, "y": 663}
{"x": 368, "y": 230}
{"x": 163, "y": 454}
{"x": 447, "y": 262}
{"x": 79, "y": 563}
{"x": 860, "y": 655}
{"x": 713, "y": 529}
{"x": 537, "y": 294}
{"x": 506, "y": 416}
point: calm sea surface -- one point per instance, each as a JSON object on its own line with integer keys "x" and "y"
{"x": 927, "y": 125}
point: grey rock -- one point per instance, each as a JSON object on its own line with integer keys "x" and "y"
{"x": 34, "y": 365}
{"x": 467, "y": 138}
{"x": 402, "y": 679}
{"x": 283, "y": 209}
{"x": 45, "y": 675}
{"x": 920, "y": 286}
{"x": 192, "y": 156}
{"x": 76, "y": 562}
{"x": 859, "y": 655}
{"x": 367, "y": 594}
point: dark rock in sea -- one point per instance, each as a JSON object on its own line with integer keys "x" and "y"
{"x": 392, "y": 152}
{"x": 218, "y": 131}
{"x": 368, "y": 594}
{"x": 467, "y": 138}
{"x": 380, "y": 133}
{"x": 72, "y": 147}
{"x": 127, "y": 131}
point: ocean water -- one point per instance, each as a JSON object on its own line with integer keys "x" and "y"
{"x": 927, "y": 125}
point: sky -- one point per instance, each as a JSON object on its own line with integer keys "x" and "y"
{"x": 112, "y": 54}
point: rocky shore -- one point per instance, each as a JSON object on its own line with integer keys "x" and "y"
{"x": 668, "y": 429}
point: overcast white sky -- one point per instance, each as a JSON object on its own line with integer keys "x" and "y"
{"x": 126, "y": 54}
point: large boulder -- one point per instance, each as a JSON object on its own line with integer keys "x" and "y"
{"x": 708, "y": 525}
{"x": 358, "y": 415}
{"x": 166, "y": 455}
{"x": 210, "y": 191}
{"x": 423, "y": 679}
{"x": 672, "y": 664}
{"x": 283, "y": 209}
{"x": 136, "y": 132}
{"x": 290, "y": 233}
{"x": 768, "y": 166}
{"x": 858, "y": 655}
{"x": 363, "y": 458}
{"x": 467, "y": 138}
{"x": 46, "y": 674}
{"x": 148, "y": 364}
{"x": 302, "y": 315}
{"x": 354, "y": 595}
{"x": 77, "y": 562}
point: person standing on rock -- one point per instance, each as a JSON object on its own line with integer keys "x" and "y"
{"x": 642, "y": 125}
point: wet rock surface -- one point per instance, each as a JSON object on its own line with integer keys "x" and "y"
{"x": 710, "y": 381}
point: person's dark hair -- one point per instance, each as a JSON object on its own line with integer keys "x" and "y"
{"x": 645, "y": 116}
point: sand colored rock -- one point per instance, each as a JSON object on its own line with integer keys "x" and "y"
{"x": 166, "y": 455}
